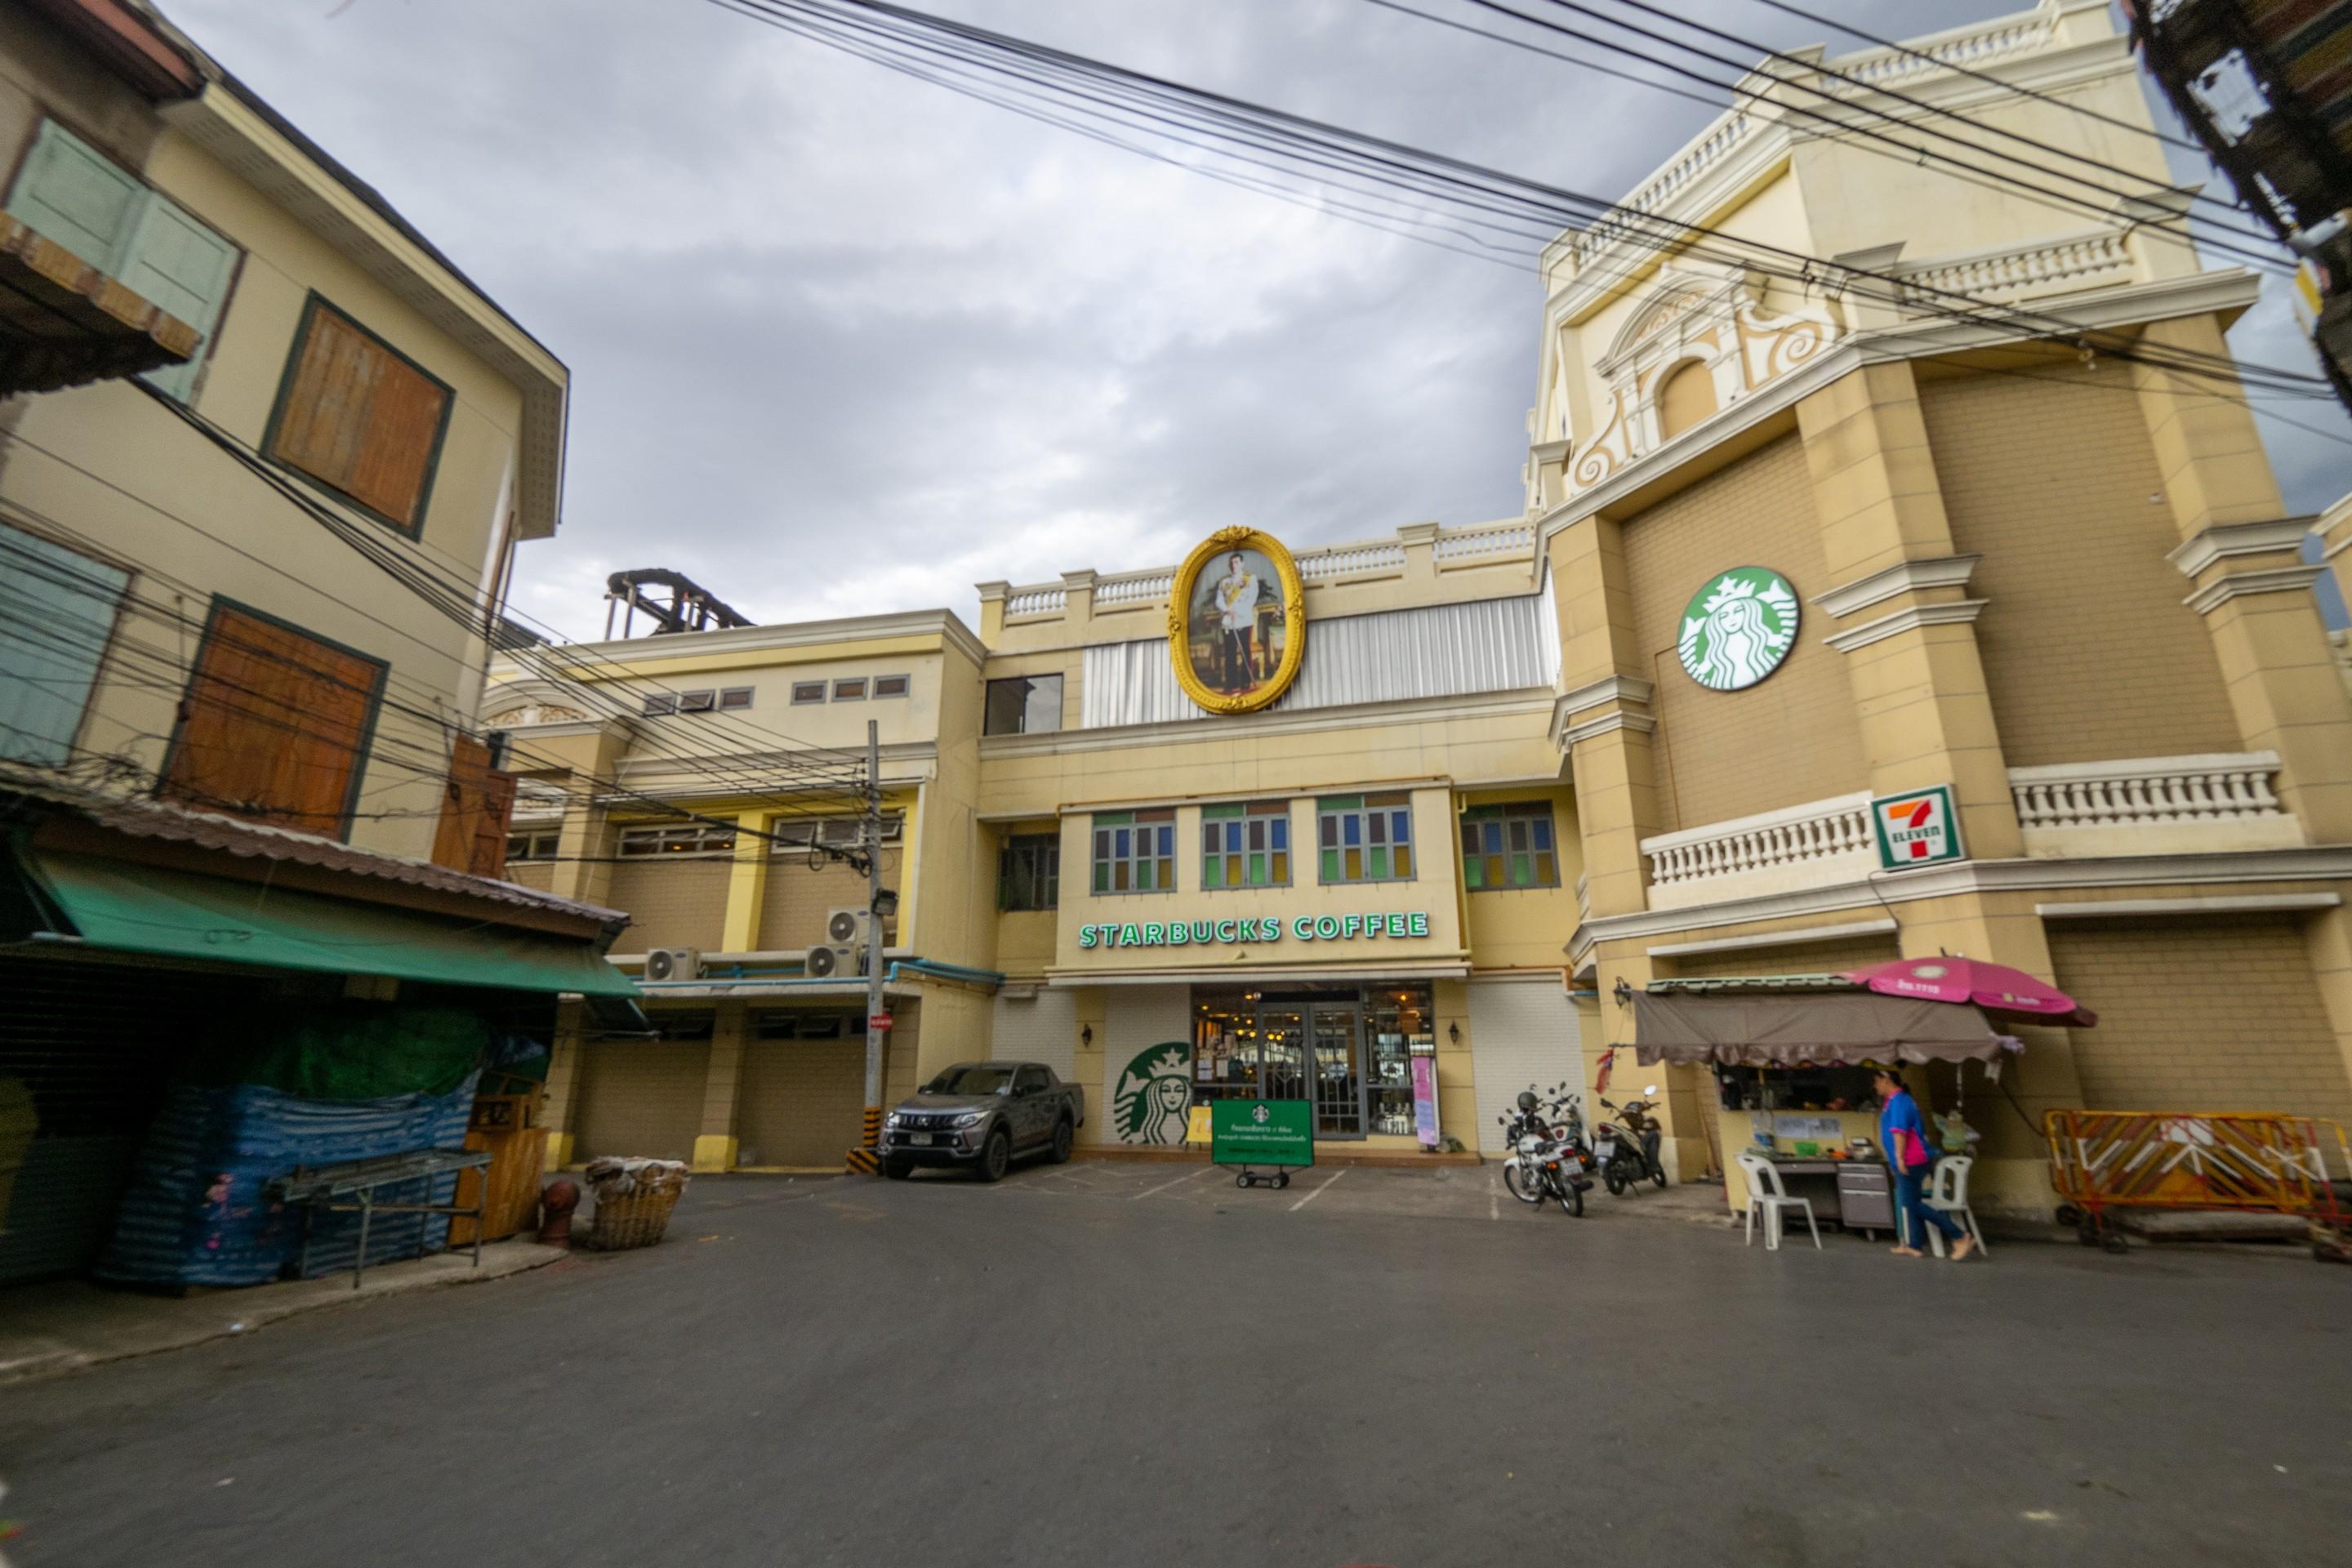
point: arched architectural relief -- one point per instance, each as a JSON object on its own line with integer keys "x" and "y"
{"x": 1715, "y": 323}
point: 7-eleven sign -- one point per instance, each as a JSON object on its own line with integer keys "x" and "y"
{"x": 1920, "y": 828}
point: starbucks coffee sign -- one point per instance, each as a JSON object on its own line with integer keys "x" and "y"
{"x": 1737, "y": 628}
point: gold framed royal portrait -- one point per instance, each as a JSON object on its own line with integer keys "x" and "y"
{"x": 1237, "y": 621}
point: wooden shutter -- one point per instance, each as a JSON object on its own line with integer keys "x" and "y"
{"x": 476, "y": 809}
{"x": 356, "y": 416}
{"x": 70, "y": 194}
{"x": 273, "y": 725}
{"x": 178, "y": 263}
{"x": 51, "y": 647}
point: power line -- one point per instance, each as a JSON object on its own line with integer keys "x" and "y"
{"x": 858, "y": 27}
{"x": 2266, "y": 258}
{"x": 1851, "y": 31}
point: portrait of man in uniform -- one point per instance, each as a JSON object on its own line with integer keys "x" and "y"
{"x": 1236, "y": 622}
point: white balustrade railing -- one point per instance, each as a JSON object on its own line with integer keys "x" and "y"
{"x": 1147, "y": 588}
{"x": 1968, "y": 50}
{"x": 1471, "y": 544}
{"x": 2029, "y": 266}
{"x": 1792, "y": 837}
{"x": 1036, "y": 601}
{"x": 1663, "y": 186}
{"x": 1347, "y": 560}
{"x": 2148, "y": 792}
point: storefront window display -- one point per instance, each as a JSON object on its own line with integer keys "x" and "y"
{"x": 1347, "y": 1048}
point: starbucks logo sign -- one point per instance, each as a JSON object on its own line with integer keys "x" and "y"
{"x": 1154, "y": 1095}
{"x": 1737, "y": 628}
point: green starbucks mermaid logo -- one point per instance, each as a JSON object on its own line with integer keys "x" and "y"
{"x": 1154, "y": 1095}
{"x": 1738, "y": 628}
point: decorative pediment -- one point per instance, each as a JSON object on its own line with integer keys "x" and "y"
{"x": 1717, "y": 323}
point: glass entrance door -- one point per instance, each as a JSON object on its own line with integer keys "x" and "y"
{"x": 1335, "y": 1029}
{"x": 1282, "y": 1053}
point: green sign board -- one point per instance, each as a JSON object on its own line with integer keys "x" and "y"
{"x": 1261, "y": 1132}
{"x": 1737, "y": 628}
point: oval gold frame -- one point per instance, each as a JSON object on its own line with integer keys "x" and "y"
{"x": 1294, "y": 614}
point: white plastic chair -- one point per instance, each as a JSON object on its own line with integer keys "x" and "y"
{"x": 1948, "y": 1191}
{"x": 1765, "y": 1192}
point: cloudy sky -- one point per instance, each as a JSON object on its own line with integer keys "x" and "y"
{"x": 842, "y": 341}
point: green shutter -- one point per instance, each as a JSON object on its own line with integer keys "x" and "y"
{"x": 179, "y": 264}
{"x": 50, "y": 650}
{"x": 72, "y": 195}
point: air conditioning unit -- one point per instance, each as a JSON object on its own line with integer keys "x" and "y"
{"x": 843, "y": 952}
{"x": 674, "y": 964}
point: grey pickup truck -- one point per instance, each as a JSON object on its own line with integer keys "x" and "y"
{"x": 978, "y": 1115}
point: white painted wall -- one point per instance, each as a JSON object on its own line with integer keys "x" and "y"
{"x": 1522, "y": 1032}
{"x": 1039, "y": 1028}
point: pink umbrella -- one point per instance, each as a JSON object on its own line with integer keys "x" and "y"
{"x": 1997, "y": 989}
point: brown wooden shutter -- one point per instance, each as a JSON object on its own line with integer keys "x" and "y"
{"x": 272, "y": 725}
{"x": 357, "y": 416}
{"x": 476, "y": 809}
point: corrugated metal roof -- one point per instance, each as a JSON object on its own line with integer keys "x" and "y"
{"x": 210, "y": 830}
{"x": 1393, "y": 656}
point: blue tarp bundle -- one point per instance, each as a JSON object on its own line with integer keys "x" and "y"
{"x": 196, "y": 1212}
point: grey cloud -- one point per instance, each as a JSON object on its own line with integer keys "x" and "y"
{"x": 818, "y": 315}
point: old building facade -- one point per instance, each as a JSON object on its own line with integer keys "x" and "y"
{"x": 1969, "y": 519}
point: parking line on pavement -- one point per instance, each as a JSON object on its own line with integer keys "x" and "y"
{"x": 1187, "y": 1177}
{"x": 1319, "y": 1191}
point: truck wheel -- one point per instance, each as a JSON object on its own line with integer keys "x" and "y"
{"x": 897, "y": 1170}
{"x": 994, "y": 1156}
{"x": 1063, "y": 1139}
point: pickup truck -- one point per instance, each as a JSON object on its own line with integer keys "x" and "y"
{"x": 978, "y": 1115}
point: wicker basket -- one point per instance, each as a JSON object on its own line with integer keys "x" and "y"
{"x": 636, "y": 1220}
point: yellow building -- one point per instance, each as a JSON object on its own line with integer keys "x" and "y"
{"x": 1973, "y": 517}
{"x": 265, "y": 458}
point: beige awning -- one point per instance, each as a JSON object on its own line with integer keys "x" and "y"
{"x": 1810, "y": 1028}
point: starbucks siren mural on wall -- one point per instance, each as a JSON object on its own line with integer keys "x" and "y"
{"x": 1737, "y": 628}
{"x": 1154, "y": 1096}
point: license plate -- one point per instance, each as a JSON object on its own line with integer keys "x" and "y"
{"x": 1604, "y": 1150}
{"x": 918, "y": 1137}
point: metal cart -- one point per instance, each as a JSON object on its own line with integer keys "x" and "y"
{"x": 317, "y": 1188}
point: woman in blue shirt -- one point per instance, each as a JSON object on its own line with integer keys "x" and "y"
{"x": 1904, "y": 1136}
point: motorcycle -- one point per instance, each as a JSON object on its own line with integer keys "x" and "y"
{"x": 1627, "y": 1149}
{"x": 1542, "y": 1165}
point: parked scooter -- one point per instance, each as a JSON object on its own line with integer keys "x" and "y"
{"x": 1627, "y": 1148}
{"x": 1542, "y": 1165}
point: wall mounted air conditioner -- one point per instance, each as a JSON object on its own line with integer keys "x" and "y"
{"x": 842, "y": 950}
{"x": 674, "y": 964}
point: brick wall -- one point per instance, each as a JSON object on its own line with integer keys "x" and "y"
{"x": 799, "y": 898}
{"x": 672, "y": 903}
{"x": 2054, "y": 481}
{"x": 640, "y": 1097}
{"x": 1790, "y": 740}
{"x": 2201, "y": 1015}
{"x": 539, "y": 875}
{"x": 802, "y": 1102}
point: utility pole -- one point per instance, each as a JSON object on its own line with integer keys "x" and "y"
{"x": 874, "y": 1037}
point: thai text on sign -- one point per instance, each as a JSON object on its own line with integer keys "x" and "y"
{"x": 1237, "y": 933}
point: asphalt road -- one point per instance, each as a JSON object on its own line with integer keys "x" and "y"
{"x": 1137, "y": 1364}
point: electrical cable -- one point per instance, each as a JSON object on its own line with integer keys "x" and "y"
{"x": 1850, "y": 30}
{"x": 1443, "y": 177}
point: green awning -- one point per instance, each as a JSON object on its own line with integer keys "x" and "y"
{"x": 129, "y": 908}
